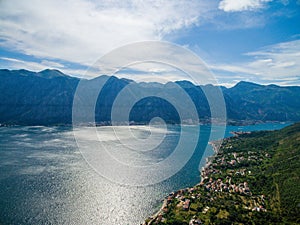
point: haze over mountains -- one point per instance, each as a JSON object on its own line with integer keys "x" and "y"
{"x": 46, "y": 98}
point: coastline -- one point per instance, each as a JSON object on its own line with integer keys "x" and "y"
{"x": 236, "y": 183}
{"x": 231, "y": 172}
{"x": 216, "y": 147}
{"x": 155, "y": 215}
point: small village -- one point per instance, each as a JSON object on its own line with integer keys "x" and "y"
{"x": 226, "y": 175}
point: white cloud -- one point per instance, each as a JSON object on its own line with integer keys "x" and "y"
{"x": 279, "y": 62}
{"x": 81, "y": 31}
{"x": 152, "y": 72}
{"x": 13, "y": 63}
{"x": 51, "y": 64}
{"x": 142, "y": 60}
{"x": 241, "y": 5}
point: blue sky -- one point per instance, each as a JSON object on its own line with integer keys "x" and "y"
{"x": 251, "y": 40}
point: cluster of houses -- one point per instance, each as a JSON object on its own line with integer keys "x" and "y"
{"x": 183, "y": 202}
{"x": 219, "y": 186}
{"x": 180, "y": 195}
{"x": 210, "y": 184}
{"x": 195, "y": 221}
{"x": 186, "y": 204}
{"x": 232, "y": 159}
{"x": 239, "y": 133}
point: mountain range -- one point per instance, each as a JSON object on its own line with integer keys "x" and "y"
{"x": 46, "y": 98}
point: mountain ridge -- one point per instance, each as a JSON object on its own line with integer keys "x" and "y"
{"x": 46, "y": 98}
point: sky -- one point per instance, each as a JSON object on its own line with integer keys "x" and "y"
{"x": 250, "y": 40}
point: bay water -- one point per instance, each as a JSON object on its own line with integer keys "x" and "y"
{"x": 45, "y": 178}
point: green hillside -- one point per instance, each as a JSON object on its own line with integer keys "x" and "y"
{"x": 254, "y": 179}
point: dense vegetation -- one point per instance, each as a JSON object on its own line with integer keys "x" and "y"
{"x": 254, "y": 179}
{"x": 46, "y": 98}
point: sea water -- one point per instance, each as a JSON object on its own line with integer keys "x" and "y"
{"x": 45, "y": 178}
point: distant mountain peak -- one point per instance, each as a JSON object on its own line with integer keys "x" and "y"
{"x": 247, "y": 83}
{"x": 51, "y": 73}
{"x": 22, "y": 72}
{"x": 185, "y": 84}
{"x": 273, "y": 86}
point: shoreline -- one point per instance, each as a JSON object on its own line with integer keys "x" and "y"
{"x": 155, "y": 215}
{"x": 229, "y": 182}
{"x": 215, "y": 146}
{"x": 108, "y": 124}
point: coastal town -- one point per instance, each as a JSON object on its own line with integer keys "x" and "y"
{"x": 227, "y": 188}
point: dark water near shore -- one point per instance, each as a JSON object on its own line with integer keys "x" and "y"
{"x": 44, "y": 178}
